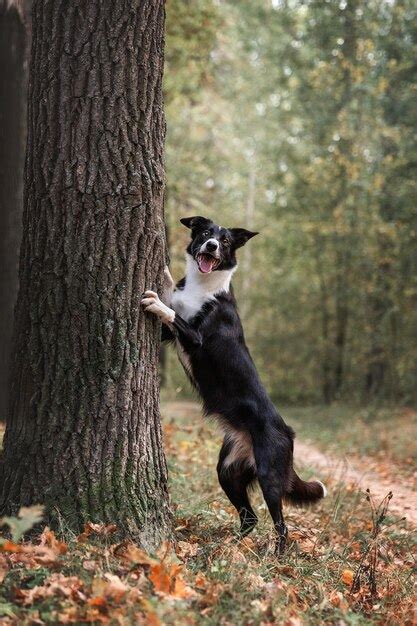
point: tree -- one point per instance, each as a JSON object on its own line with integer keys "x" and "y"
{"x": 391, "y": 300}
{"x": 83, "y": 434}
{"x": 14, "y": 50}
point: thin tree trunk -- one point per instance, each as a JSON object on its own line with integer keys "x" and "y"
{"x": 247, "y": 256}
{"x": 344, "y": 243}
{"x": 383, "y": 301}
{"x": 326, "y": 370}
{"x": 341, "y": 320}
{"x": 84, "y": 434}
{"x": 14, "y": 48}
{"x": 379, "y": 377}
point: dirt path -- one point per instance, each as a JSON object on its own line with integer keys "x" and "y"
{"x": 357, "y": 472}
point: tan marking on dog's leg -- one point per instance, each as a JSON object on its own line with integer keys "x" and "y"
{"x": 242, "y": 449}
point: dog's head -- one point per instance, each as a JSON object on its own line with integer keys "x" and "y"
{"x": 213, "y": 247}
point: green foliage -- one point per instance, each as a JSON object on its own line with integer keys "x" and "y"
{"x": 26, "y": 519}
{"x": 7, "y": 609}
{"x": 298, "y": 119}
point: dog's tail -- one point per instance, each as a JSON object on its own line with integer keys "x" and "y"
{"x": 301, "y": 492}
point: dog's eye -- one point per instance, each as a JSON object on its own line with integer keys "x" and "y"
{"x": 225, "y": 241}
{"x": 206, "y": 233}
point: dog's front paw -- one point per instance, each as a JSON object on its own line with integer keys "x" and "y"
{"x": 152, "y": 304}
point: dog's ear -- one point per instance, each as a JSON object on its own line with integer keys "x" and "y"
{"x": 241, "y": 236}
{"x": 196, "y": 222}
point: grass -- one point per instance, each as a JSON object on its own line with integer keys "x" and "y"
{"x": 210, "y": 576}
{"x": 384, "y": 433}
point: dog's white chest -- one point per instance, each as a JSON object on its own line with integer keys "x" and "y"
{"x": 188, "y": 302}
{"x": 199, "y": 289}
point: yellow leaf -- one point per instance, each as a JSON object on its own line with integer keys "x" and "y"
{"x": 48, "y": 538}
{"x": 132, "y": 554}
{"x": 110, "y": 588}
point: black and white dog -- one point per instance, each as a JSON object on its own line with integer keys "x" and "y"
{"x": 200, "y": 314}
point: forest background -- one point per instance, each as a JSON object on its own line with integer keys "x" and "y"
{"x": 298, "y": 119}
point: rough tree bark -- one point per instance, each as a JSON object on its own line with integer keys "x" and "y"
{"x": 343, "y": 242}
{"x": 14, "y": 49}
{"x": 83, "y": 435}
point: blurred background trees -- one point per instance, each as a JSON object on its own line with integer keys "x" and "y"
{"x": 297, "y": 118}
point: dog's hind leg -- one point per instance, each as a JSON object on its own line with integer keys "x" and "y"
{"x": 235, "y": 479}
{"x": 271, "y": 464}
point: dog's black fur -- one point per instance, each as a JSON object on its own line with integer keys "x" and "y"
{"x": 258, "y": 443}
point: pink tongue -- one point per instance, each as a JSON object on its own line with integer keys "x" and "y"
{"x": 206, "y": 264}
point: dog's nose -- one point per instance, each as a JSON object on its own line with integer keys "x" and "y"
{"x": 212, "y": 245}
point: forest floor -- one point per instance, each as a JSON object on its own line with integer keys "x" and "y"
{"x": 349, "y": 560}
{"x": 369, "y": 448}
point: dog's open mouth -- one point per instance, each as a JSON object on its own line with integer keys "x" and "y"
{"x": 206, "y": 262}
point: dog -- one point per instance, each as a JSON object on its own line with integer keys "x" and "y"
{"x": 200, "y": 314}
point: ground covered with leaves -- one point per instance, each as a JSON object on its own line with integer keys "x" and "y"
{"x": 349, "y": 561}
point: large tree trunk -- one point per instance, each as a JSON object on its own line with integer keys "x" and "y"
{"x": 84, "y": 434}
{"x": 14, "y": 46}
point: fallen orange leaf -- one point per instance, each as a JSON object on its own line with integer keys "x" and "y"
{"x": 110, "y": 588}
{"x": 97, "y": 601}
{"x": 168, "y": 580}
{"x": 70, "y": 587}
{"x": 200, "y": 581}
{"x": 10, "y": 546}
{"x": 99, "y": 529}
{"x": 153, "y": 619}
{"x": 160, "y": 578}
{"x": 130, "y": 552}
{"x": 337, "y": 599}
{"x": 181, "y": 590}
{"x": 48, "y": 538}
{"x": 347, "y": 576}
